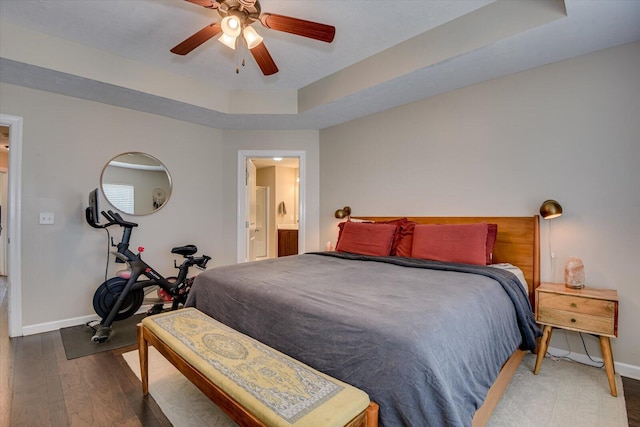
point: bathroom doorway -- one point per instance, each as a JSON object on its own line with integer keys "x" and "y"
{"x": 281, "y": 174}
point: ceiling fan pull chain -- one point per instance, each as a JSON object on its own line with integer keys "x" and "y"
{"x": 237, "y": 53}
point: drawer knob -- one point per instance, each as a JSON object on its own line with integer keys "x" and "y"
{"x": 574, "y": 305}
{"x": 573, "y": 320}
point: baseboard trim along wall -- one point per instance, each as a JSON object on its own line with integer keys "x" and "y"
{"x": 65, "y": 323}
{"x": 624, "y": 369}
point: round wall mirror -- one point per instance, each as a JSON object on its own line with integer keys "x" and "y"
{"x": 136, "y": 183}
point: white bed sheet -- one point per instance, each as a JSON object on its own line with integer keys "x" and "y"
{"x": 515, "y": 270}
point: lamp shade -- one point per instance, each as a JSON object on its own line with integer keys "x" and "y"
{"x": 252, "y": 38}
{"x": 227, "y": 41}
{"x": 550, "y": 209}
{"x": 231, "y": 26}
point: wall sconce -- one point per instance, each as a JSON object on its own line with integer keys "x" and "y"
{"x": 550, "y": 209}
{"x": 344, "y": 212}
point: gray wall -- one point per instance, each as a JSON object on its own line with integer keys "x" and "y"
{"x": 568, "y": 131}
{"x": 67, "y": 142}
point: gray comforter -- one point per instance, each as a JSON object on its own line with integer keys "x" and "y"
{"x": 424, "y": 339}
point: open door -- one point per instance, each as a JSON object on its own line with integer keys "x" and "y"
{"x": 250, "y": 210}
{"x": 260, "y": 242}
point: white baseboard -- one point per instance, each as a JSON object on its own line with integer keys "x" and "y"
{"x": 65, "y": 323}
{"x": 624, "y": 369}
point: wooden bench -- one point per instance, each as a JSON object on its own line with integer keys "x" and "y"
{"x": 252, "y": 383}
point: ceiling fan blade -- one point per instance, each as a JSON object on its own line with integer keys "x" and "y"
{"x": 197, "y": 39}
{"x": 299, "y": 27}
{"x": 205, "y": 3}
{"x": 264, "y": 59}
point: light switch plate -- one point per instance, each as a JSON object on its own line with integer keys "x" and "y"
{"x": 46, "y": 217}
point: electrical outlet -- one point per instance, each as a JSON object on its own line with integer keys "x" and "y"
{"x": 46, "y": 218}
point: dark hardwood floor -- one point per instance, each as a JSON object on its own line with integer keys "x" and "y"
{"x": 40, "y": 387}
{"x": 632, "y": 400}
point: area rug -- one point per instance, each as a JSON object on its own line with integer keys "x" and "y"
{"x": 77, "y": 339}
{"x": 563, "y": 394}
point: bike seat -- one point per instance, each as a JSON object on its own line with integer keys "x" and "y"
{"x": 185, "y": 250}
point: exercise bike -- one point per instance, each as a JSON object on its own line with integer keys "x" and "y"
{"x": 120, "y": 297}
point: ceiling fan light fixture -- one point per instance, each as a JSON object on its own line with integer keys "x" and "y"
{"x": 237, "y": 15}
{"x": 228, "y": 41}
{"x": 252, "y": 37}
{"x": 231, "y": 26}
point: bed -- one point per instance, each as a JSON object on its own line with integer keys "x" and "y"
{"x": 434, "y": 343}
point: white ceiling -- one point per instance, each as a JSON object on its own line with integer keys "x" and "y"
{"x": 385, "y": 54}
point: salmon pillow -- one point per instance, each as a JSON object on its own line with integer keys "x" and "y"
{"x": 405, "y": 239}
{"x": 366, "y": 238}
{"x": 399, "y": 223}
{"x": 464, "y": 243}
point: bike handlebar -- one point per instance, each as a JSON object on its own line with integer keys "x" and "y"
{"x": 91, "y": 220}
{"x": 202, "y": 263}
{"x": 115, "y": 218}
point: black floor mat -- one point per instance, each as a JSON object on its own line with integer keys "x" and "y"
{"x": 77, "y": 339}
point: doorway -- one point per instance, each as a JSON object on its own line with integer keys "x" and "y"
{"x": 12, "y": 214}
{"x": 286, "y": 202}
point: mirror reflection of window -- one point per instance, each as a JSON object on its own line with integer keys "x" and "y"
{"x": 121, "y": 196}
{"x": 136, "y": 183}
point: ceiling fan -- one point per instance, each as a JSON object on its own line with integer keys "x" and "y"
{"x": 238, "y": 17}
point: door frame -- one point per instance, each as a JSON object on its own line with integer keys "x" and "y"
{"x": 14, "y": 223}
{"x": 243, "y": 156}
{"x": 4, "y": 197}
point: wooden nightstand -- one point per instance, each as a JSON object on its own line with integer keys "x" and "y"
{"x": 590, "y": 310}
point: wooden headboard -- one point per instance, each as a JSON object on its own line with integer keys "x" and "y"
{"x": 517, "y": 242}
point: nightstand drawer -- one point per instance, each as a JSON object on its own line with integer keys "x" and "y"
{"x": 580, "y": 321}
{"x": 594, "y": 307}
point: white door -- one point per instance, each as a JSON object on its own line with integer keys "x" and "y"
{"x": 260, "y": 240}
{"x": 250, "y": 214}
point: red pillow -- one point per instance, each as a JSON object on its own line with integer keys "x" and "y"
{"x": 465, "y": 243}
{"x": 405, "y": 239}
{"x": 366, "y": 238}
{"x": 341, "y": 227}
{"x": 399, "y": 223}
{"x": 492, "y": 232}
